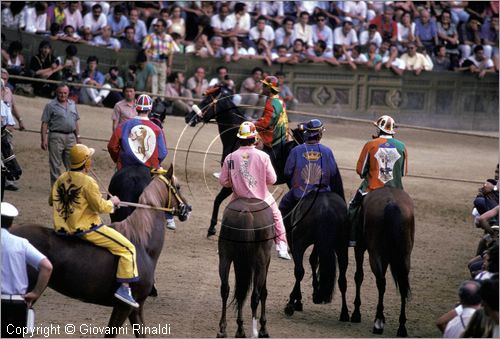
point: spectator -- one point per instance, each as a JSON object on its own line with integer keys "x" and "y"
{"x": 282, "y": 56}
{"x": 59, "y": 131}
{"x": 448, "y": 36}
{"x": 241, "y": 19}
{"x": 17, "y": 254}
{"x": 176, "y": 22}
{"x": 374, "y": 59}
{"x": 55, "y": 14}
{"x": 71, "y": 63}
{"x": 223, "y": 79}
{"x": 353, "y": 58}
{"x": 414, "y": 61}
{"x": 426, "y": 31}
{"x": 117, "y": 21}
{"x": 198, "y": 84}
{"x": 322, "y": 32}
{"x": 386, "y": 25}
{"x": 92, "y": 76}
{"x": 489, "y": 296}
{"x": 124, "y": 109}
{"x": 458, "y": 12}
{"x": 159, "y": 48}
{"x": 284, "y": 36}
{"x": 470, "y": 36}
{"x": 106, "y": 39}
{"x": 73, "y": 16}
{"x": 478, "y": 63}
{"x": 237, "y": 51}
{"x": 302, "y": 30}
{"x": 393, "y": 62}
{"x": 345, "y": 35}
{"x": 144, "y": 74}
{"x": 13, "y": 14}
{"x": 319, "y": 52}
{"x": 15, "y": 60}
{"x": 128, "y": 41}
{"x": 286, "y": 93}
{"x": 370, "y": 36}
{"x": 358, "y": 12}
{"x": 384, "y": 48}
{"x": 299, "y": 52}
{"x": 490, "y": 262}
{"x": 441, "y": 60}
{"x": 489, "y": 36}
{"x": 138, "y": 25}
{"x": 44, "y": 65}
{"x": 94, "y": 21}
{"x": 8, "y": 98}
{"x": 175, "y": 88}
{"x": 213, "y": 48}
{"x": 69, "y": 34}
{"x": 113, "y": 79}
{"x": 470, "y": 301}
{"x": 261, "y": 52}
{"x": 273, "y": 11}
{"x": 36, "y": 18}
{"x": 406, "y": 32}
{"x": 250, "y": 90}
{"x": 222, "y": 23}
{"x": 487, "y": 198}
{"x": 262, "y": 31}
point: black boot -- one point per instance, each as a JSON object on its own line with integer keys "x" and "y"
{"x": 354, "y": 214}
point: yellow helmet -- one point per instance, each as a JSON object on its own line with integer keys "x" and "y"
{"x": 247, "y": 131}
{"x": 79, "y": 156}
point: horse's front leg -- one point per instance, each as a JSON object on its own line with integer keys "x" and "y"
{"x": 136, "y": 318}
{"x": 359, "y": 252}
{"x": 295, "y": 301}
{"x": 118, "y": 316}
{"x": 223, "y": 194}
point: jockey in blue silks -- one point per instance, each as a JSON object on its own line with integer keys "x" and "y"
{"x": 310, "y": 167}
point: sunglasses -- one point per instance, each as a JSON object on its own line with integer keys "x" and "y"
{"x": 321, "y": 19}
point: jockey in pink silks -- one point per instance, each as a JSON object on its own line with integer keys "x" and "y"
{"x": 248, "y": 171}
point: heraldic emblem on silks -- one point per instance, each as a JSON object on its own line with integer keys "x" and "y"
{"x": 66, "y": 199}
{"x": 142, "y": 142}
{"x": 387, "y": 155}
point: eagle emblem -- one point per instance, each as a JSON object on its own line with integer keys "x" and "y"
{"x": 66, "y": 200}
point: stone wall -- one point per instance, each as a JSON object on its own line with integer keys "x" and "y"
{"x": 433, "y": 99}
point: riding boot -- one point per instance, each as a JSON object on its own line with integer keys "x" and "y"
{"x": 354, "y": 214}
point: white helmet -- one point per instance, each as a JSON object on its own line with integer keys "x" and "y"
{"x": 143, "y": 103}
{"x": 386, "y": 124}
{"x": 247, "y": 130}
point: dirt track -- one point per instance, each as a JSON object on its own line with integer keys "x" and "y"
{"x": 187, "y": 276}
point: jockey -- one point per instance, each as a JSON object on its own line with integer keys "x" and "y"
{"x": 139, "y": 141}
{"x": 248, "y": 171}
{"x": 310, "y": 167}
{"x": 77, "y": 202}
{"x": 382, "y": 163}
{"x": 273, "y": 125}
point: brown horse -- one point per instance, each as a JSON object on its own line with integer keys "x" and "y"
{"x": 388, "y": 235}
{"x": 86, "y": 272}
{"x": 246, "y": 239}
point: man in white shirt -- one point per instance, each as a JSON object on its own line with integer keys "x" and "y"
{"x": 370, "y": 36}
{"x": 250, "y": 91}
{"x": 470, "y": 301}
{"x": 222, "y": 23}
{"x": 273, "y": 11}
{"x": 241, "y": 20}
{"x": 73, "y": 16}
{"x": 345, "y": 35}
{"x": 106, "y": 40}
{"x": 302, "y": 30}
{"x": 322, "y": 32}
{"x": 393, "y": 62}
{"x": 36, "y": 18}
{"x": 357, "y": 11}
{"x": 138, "y": 24}
{"x": 262, "y": 31}
{"x": 415, "y": 62}
{"x": 285, "y": 35}
{"x": 95, "y": 20}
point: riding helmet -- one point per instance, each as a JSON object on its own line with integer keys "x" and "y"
{"x": 386, "y": 124}
{"x": 247, "y": 131}
{"x": 79, "y": 156}
{"x": 272, "y": 82}
{"x": 143, "y": 103}
{"x": 313, "y": 128}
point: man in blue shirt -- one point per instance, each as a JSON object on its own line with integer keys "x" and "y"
{"x": 310, "y": 167}
{"x": 17, "y": 253}
{"x": 426, "y": 32}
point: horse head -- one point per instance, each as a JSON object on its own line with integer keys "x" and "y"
{"x": 217, "y": 99}
{"x": 159, "y": 111}
{"x": 176, "y": 202}
{"x": 10, "y": 166}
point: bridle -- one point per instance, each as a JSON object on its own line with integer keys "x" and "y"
{"x": 183, "y": 208}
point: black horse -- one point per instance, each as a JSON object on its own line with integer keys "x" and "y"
{"x": 319, "y": 219}
{"x": 218, "y": 105}
{"x": 388, "y": 235}
{"x": 10, "y": 167}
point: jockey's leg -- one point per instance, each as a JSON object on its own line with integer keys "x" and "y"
{"x": 279, "y": 228}
{"x": 287, "y": 204}
{"x": 354, "y": 214}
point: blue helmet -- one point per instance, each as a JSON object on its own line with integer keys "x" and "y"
{"x": 313, "y": 128}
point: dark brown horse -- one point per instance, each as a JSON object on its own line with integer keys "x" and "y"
{"x": 388, "y": 235}
{"x": 246, "y": 239}
{"x": 86, "y": 272}
{"x": 320, "y": 219}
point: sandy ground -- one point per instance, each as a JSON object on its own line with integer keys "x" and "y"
{"x": 187, "y": 276}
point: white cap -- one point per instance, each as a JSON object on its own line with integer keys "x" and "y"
{"x": 8, "y": 210}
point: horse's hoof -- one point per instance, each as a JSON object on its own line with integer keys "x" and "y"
{"x": 240, "y": 334}
{"x": 344, "y": 316}
{"x": 402, "y": 332}
{"x": 377, "y": 330}
{"x": 211, "y": 231}
{"x": 154, "y": 292}
{"x": 221, "y": 335}
{"x": 263, "y": 334}
{"x": 298, "y": 306}
{"x": 317, "y": 299}
{"x": 289, "y": 309}
{"x": 356, "y": 317}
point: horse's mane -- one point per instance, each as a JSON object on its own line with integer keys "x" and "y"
{"x": 139, "y": 225}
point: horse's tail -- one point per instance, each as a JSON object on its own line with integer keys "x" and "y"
{"x": 244, "y": 262}
{"x": 327, "y": 270}
{"x": 395, "y": 245}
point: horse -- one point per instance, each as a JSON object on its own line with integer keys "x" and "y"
{"x": 388, "y": 235}
{"x": 246, "y": 239}
{"x": 11, "y": 170}
{"x": 319, "y": 219}
{"x": 218, "y": 105}
{"x": 86, "y": 272}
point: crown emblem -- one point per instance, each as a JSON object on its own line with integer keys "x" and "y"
{"x": 312, "y": 155}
